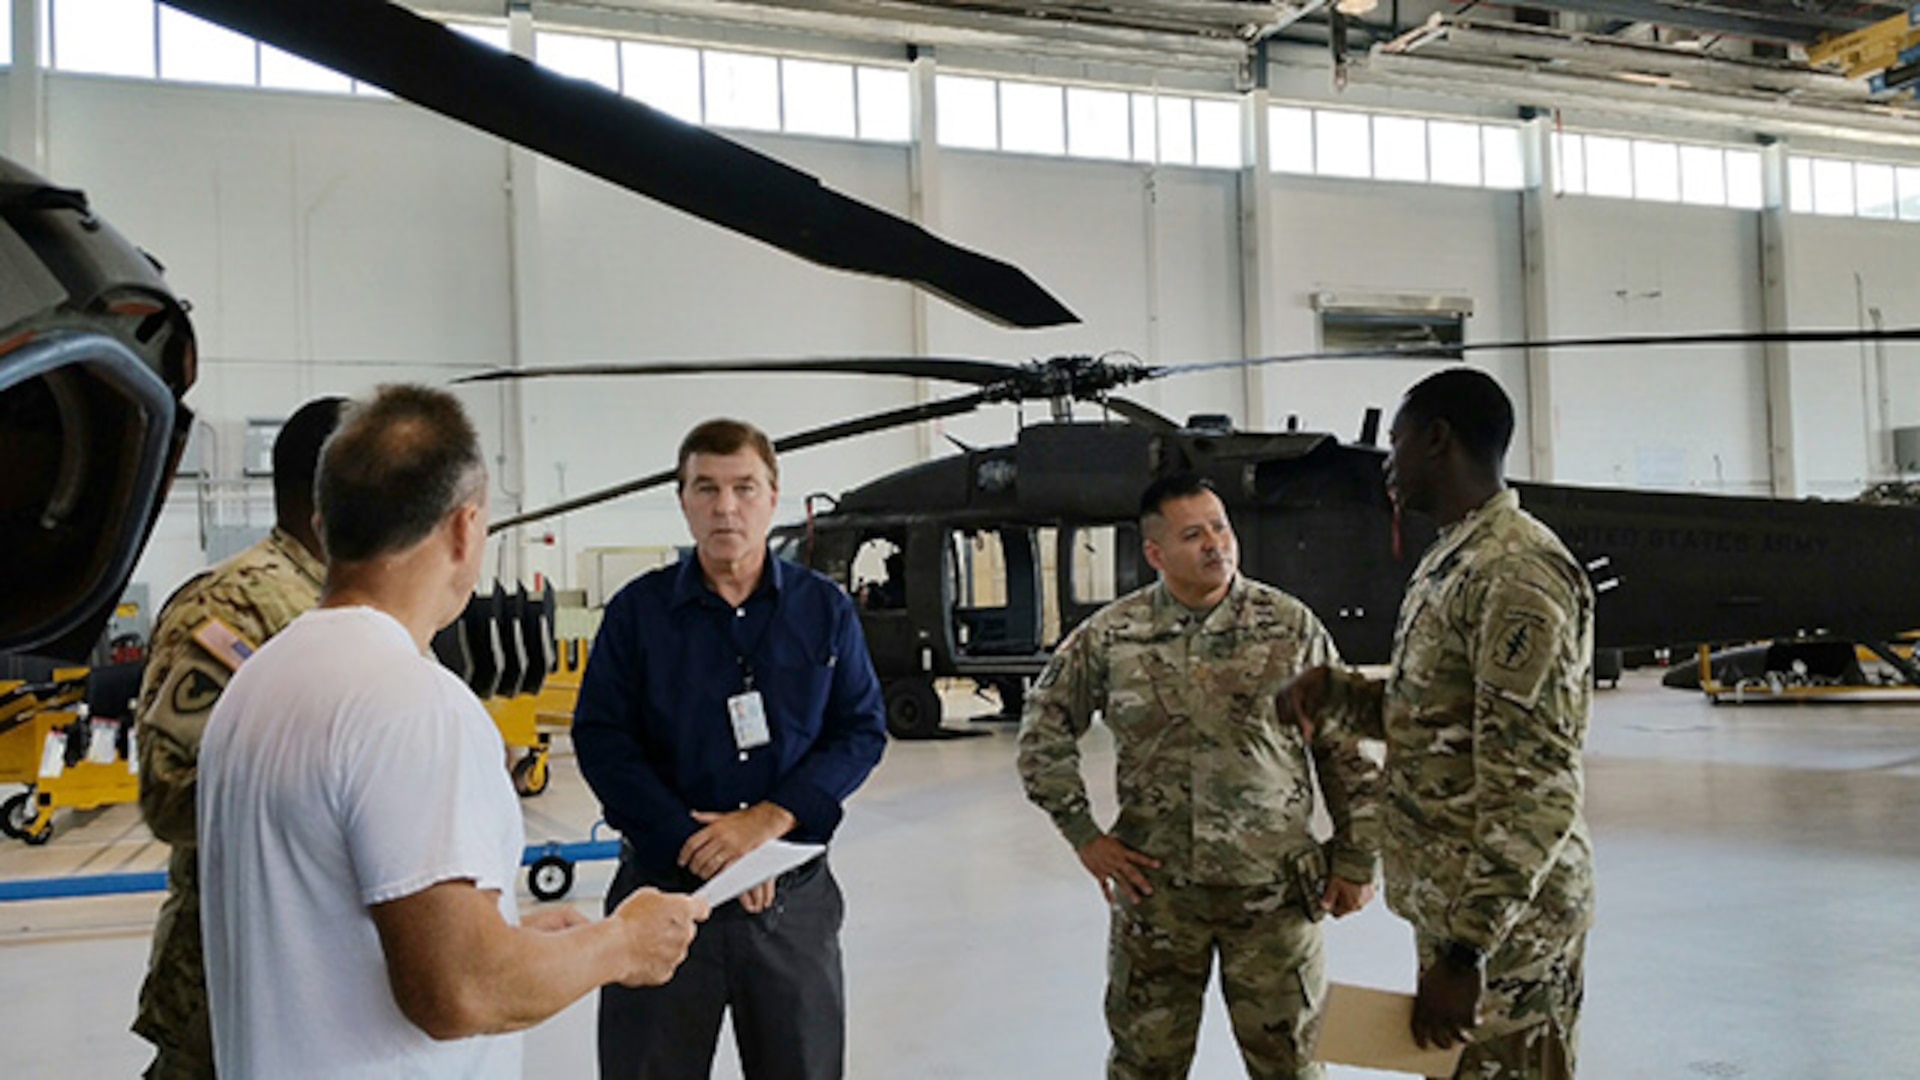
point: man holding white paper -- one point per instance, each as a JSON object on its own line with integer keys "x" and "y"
{"x": 358, "y": 836}
{"x": 730, "y": 702}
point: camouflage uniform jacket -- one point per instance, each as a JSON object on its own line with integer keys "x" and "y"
{"x": 1210, "y": 781}
{"x": 1485, "y": 714}
{"x": 255, "y": 594}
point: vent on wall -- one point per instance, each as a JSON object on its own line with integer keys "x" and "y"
{"x": 1388, "y": 321}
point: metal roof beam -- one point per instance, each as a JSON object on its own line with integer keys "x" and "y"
{"x": 1753, "y": 112}
{"x": 919, "y": 24}
{"x": 1772, "y": 24}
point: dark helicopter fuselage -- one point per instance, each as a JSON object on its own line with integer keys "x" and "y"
{"x": 1057, "y": 509}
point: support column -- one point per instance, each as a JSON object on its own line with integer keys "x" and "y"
{"x": 923, "y": 209}
{"x": 27, "y": 90}
{"x": 1539, "y": 211}
{"x": 1258, "y": 269}
{"x": 523, "y": 223}
{"x": 1776, "y": 227}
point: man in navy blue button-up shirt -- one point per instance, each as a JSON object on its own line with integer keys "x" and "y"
{"x": 730, "y": 700}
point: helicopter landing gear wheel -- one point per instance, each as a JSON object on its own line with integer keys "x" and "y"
{"x": 550, "y": 877}
{"x": 16, "y": 814}
{"x": 913, "y": 708}
{"x": 530, "y": 775}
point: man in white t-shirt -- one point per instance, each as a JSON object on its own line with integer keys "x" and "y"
{"x": 359, "y": 833}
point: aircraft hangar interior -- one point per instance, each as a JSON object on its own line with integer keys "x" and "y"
{"x": 984, "y": 269}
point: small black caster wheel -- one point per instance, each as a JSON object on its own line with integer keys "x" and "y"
{"x": 550, "y": 877}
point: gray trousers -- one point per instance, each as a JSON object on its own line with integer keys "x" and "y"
{"x": 779, "y": 971}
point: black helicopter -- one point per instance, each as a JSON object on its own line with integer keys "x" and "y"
{"x": 101, "y": 436}
{"x": 967, "y": 540}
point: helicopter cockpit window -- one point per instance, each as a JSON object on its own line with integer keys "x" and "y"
{"x": 880, "y": 574}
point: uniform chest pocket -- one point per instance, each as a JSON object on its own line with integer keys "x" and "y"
{"x": 1232, "y": 666}
{"x": 1147, "y": 692}
{"x": 1407, "y": 639}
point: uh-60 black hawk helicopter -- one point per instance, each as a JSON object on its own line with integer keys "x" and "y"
{"x": 95, "y": 357}
{"x": 987, "y": 556}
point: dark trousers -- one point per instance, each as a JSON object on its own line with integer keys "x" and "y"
{"x": 779, "y": 970}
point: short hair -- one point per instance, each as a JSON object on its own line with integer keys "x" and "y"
{"x": 296, "y": 453}
{"x": 399, "y": 464}
{"x": 1474, "y": 407}
{"x": 723, "y": 437}
{"x": 1182, "y": 485}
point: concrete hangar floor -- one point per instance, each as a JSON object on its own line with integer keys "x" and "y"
{"x": 1759, "y": 872}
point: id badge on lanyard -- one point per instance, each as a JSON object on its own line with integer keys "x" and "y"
{"x": 748, "y": 712}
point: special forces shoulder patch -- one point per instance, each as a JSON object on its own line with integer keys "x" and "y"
{"x": 1521, "y": 643}
{"x": 1519, "y": 638}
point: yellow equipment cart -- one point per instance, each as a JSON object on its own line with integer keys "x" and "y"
{"x": 67, "y": 758}
{"x": 528, "y": 722}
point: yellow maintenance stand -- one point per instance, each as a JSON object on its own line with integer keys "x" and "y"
{"x": 505, "y": 647}
{"x": 67, "y": 759}
{"x": 527, "y": 722}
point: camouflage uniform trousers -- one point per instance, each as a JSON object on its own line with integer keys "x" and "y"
{"x": 1532, "y": 1011}
{"x": 173, "y": 999}
{"x": 1159, "y": 958}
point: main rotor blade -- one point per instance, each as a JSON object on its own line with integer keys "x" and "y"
{"x": 632, "y": 145}
{"x": 951, "y": 369}
{"x": 1447, "y": 352}
{"x": 843, "y": 429}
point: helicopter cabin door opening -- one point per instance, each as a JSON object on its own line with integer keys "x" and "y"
{"x": 994, "y": 596}
{"x": 877, "y": 579}
{"x": 1097, "y": 564}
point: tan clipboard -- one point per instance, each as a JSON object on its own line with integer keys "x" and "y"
{"x": 1373, "y": 1029}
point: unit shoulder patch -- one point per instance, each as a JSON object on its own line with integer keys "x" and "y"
{"x": 194, "y": 691}
{"x": 1519, "y": 641}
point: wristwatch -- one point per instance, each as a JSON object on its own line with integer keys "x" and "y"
{"x": 1462, "y": 956}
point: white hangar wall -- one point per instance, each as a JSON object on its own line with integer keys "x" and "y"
{"x": 613, "y": 277}
{"x": 1843, "y": 272}
{"x": 1675, "y": 418}
{"x": 1367, "y": 237}
{"x": 1148, "y": 259}
{"x": 332, "y": 243}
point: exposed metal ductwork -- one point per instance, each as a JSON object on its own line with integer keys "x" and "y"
{"x": 1786, "y": 23}
{"x": 1533, "y": 66}
{"x": 1215, "y": 35}
{"x": 1584, "y": 62}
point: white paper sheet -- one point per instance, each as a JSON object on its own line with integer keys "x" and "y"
{"x": 764, "y": 863}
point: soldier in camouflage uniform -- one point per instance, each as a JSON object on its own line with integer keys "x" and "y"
{"x": 1211, "y": 851}
{"x": 1484, "y": 713}
{"x": 207, "y": 628}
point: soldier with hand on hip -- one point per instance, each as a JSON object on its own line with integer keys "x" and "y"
{"x": 1211, "y": 853}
